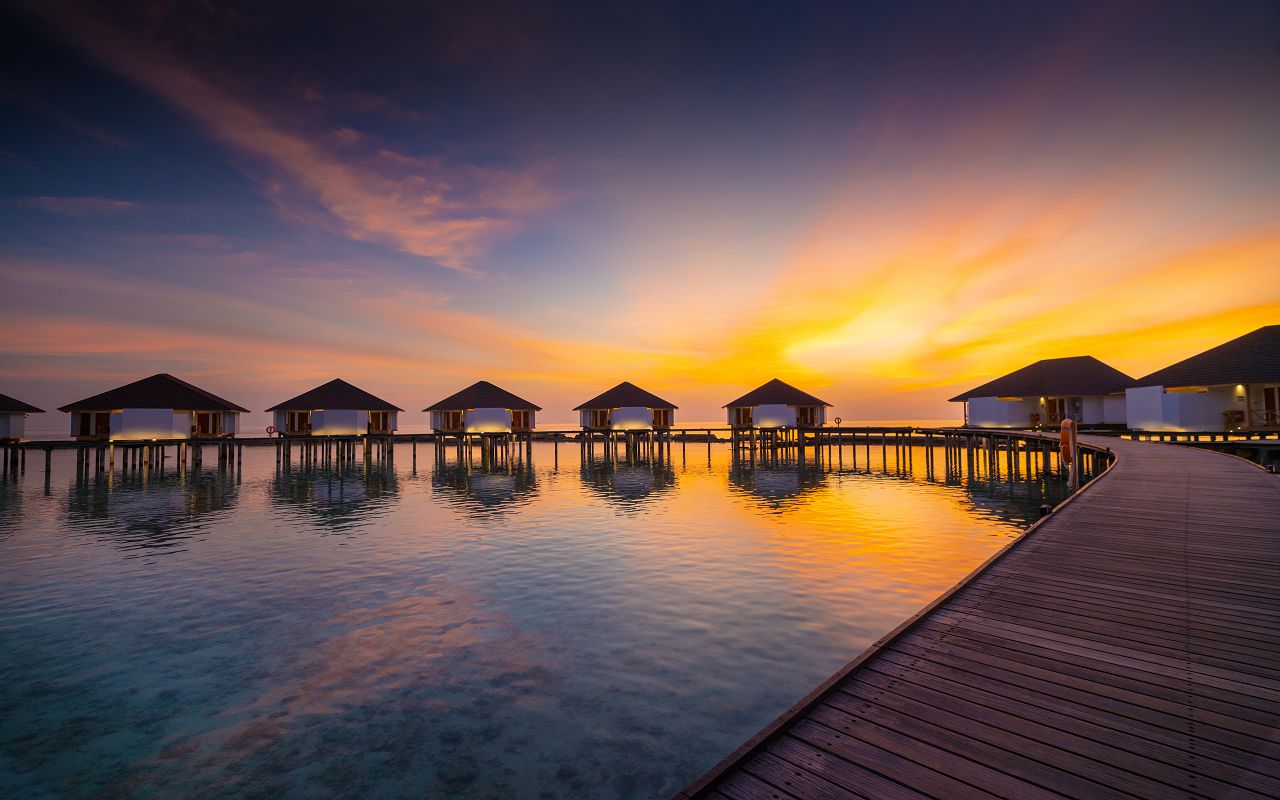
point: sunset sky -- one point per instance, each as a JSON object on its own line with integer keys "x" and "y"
{"x": 884, "y": 206}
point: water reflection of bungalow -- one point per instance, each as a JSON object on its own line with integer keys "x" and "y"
{"x": 159, "y": 407}
{"x": 1046, "y": 392}
{"x": 335, "y": 408}
{"x": 776, "y": 485}
{"x": 484, "y": 492}
{"x": 777, "y": 405}
{"x": 13, "y": 418}
{"x": 626, "y": 407}
{"x": 340, "y": 498}
{"x": 152, "y": 513}
{"x": 1234, "y": 386}
{"x": 482, "y": 408}
{"x": 628, "y": 485}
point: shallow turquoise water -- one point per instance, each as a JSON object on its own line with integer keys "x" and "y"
{"x": 557, "y": 630}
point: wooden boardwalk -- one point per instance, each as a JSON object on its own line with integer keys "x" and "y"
{"x": 1129, "y": 646}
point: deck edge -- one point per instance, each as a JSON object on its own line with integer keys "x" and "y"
{"x": 752, "y": 746}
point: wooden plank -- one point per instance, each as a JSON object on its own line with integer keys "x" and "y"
{"x": 1129, "y": 645}
{"x": 1099, "y": 749}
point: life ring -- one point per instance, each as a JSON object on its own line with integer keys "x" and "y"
{"x": 271, "y": 430}
{"x": 1067, "y": 440}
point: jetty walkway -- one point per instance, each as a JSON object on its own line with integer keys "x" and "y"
{"x": 1127, "y": 646}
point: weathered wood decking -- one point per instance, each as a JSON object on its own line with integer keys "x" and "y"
{"x": 1128, "y": 647}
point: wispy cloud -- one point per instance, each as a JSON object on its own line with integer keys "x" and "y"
{"x": 447, "y": 212}
{"x": 78, "y": 206}
{"x": 31, "y": 100}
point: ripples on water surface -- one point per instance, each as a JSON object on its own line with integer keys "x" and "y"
{"x": 561, "y": 630}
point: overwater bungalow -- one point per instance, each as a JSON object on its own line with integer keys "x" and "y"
{"x": 1232, "y": 387}
{"x": 336, "y": 408}
{"x": 1045, "y": 393}
{"x": 483, "y": 408}
{"x": 626, "y": 407}
{"x": 159, "y": 407}
{"x": 13, "y": 418}
{"x": 777, "y": 405}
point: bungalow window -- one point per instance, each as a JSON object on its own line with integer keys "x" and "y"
{"x": 742, "y": 417}
{"x": 298, "y": 422}
{"x": 598, "y": 418}
{"x": 521, "y": 419}
{"x": 379, "y": 421}
{"x": 451, "y": 420}
{"x": 662, "y": 418}
{"x": 806, "y": 415}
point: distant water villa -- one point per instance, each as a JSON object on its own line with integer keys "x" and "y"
{"x": 1234, "y": 387}
{"x": 1046, "y": 392}
{"x": 777, "y": 405}
{"x": 626, "y": 407}
{"x": 336, "y": 408}
{"x": 13, "y": 418}
{"x": 158, "y": 407}
{"x": 483, "y": 407}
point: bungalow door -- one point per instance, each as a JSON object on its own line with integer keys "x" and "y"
{"x": 806, "y": 416}
{"x": 521, "y": 419}
{"x": 298, "y": 422}
{"x": 208, "y": 424}
{"x": 94, "y": 423}
{"x": 661, "y": 418}
{"x": 451, "y": 420}
{"x": 1271, "y": 406}
{"x": 1055, "y": 409}
{"x": 379, "y": 421}
{"x": 742, "y": 417}
{"x": 599, "y": 418}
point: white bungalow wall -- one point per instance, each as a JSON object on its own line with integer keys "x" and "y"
{"x": 773, "y": 415}
{"x": 631, "y": 418}
{"x": 1113, "y": 409}
{"x": 150, "y": 423}
{"x": 992, "y": 412}
{"x": 13, "y": 426}
{"x": 339, "y": 422}
{"x": 1152, "y": 408}
{"x": 487, "y": 420}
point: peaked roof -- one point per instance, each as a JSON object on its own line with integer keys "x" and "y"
{"x": 1077, "y": 375}
{"x": 158, "y": 391}
{"x": 775, "y": 392}
{"x": 9, "y": 405}
{"x": 626, "y": 395}
{"x": 482, "y": 394}
{"x": 337, "y": 393}
{"x": 1252, "y": 358}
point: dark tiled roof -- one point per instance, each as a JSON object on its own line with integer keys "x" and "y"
{"x": 775, "y": 392}
{"x": 8, "y": 405}
{"x": 1252, "y": 358}
{"x": 158, "y": 391}
{"x": 626, "y": 395}
{"x": 1054, "y": 377}
{"x": 337, "y": 393}
{"x": 482, "y": 394}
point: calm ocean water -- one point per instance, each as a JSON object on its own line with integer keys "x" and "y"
{"x": 562, "y": 629}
